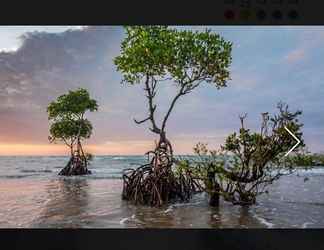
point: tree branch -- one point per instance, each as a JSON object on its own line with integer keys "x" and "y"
{"x": 150, "y": 89}
{"x": 142, "y": 121}
{"x": 181, "y": 92}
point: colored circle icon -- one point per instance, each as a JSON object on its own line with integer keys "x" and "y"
{"x": 245, "y": 14}
{"x": 229, "y": 14}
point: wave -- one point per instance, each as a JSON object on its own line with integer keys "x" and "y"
{"x": 35, "y": 171}
{"x": 306, "y": 203}
{"x": 16, "y": 176}
{"x": 306, "y": 223}
{"x": 264, "y": 221}
{"x": 119, "y": 158}
{"x": 104, "y": 177}
{"x": 135, "y": 164}
{"x": 127, "y": 219}
{"x": 185, "y": 204}
{"x": 131, "y": 219}
{"x": 123, "y": 221}
{"x": 169, "y": 210}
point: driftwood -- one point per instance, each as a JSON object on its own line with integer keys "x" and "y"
{"x": 155, "y": 183}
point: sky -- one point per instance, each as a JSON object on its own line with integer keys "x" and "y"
{"x": 39, "y": 63}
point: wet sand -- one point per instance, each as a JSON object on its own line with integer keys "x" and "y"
{"x": 81, "y": 202}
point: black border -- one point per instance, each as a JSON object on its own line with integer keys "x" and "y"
{"x": 310, "y": 12}
{"x": 247, "y": 12}
{"x": 161, "y": 239}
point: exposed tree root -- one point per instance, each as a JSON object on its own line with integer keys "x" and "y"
{"x": 155, "y": 183}
{"x": 74, "y": 167}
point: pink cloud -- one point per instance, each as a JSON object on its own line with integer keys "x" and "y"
{"x": 295, "y": 56}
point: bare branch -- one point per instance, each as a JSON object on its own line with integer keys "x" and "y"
{"x": 142, "y": 121}
{"x": 180, "y": 93}
{"x": 242, "y": 118}
{"x": 150, "y": 88}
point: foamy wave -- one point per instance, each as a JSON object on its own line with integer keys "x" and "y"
{"x": 263, "y": 221}
{"x": 119, "y": 158}
{"x": 128, "y": 219}
{"x": 169, "y": 210}
{"x": 306, "y": 223}
{"x": 123, "y": 221}
{"x": 186, "y": 204}
{"x": 17, "y": 176}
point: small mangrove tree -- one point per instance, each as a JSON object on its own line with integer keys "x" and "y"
{"x": 249, "y": 161}
{"x": 69, "y": 125}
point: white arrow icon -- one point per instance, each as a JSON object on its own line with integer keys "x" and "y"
{"x": 298, "y": 141}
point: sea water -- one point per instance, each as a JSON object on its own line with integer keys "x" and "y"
{"x": 32, "y": 195}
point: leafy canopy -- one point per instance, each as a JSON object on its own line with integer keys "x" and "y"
{"x": 250, "y": 161}
{"x": 73, "y": 104}
{"x": 185, "y": 56}
{"x": 151, "y": 54}
{"x": 67, "y": 116}
{"x": 272, "y": 142}
{"x": 67, "y": 129}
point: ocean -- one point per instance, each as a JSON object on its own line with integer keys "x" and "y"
{"x": 32, "y": 195}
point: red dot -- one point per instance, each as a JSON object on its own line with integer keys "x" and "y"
{"x": 229, "y": 14}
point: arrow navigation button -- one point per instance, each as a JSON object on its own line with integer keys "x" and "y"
{"x": 295, "y": 137}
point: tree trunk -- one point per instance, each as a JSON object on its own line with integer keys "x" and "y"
{"x": 214, "y": 200}
{"x": 72, "y": 168}
{"x": 163, "y": 154}
{"x": 213, "y": 189}
{"x": 76, "y": 165}
{"x": 166, "y": 144}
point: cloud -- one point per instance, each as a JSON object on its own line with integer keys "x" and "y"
{"x": 295, "y": 56}
{"x": 308, "y": 41}
{"x": 46, "y": 65}
{"x": 8, "y": 50}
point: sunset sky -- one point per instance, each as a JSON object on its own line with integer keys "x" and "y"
{"x": 270, "y": 64}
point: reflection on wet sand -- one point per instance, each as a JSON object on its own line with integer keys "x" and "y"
{"x": 215, "y": 218}
{"x": 225, "y": 216}
{"x": 143, "y": 217}
{"x": 195, "y": 214}
{"x": 66, "y": 204}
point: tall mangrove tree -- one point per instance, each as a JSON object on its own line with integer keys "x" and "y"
{"x": 149, "y": 56}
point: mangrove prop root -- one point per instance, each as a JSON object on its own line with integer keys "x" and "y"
{"x": 155, "y": 183}
{"x": 75, "y": 168}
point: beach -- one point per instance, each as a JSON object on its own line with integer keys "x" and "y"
{"x": 32, "y": 195}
